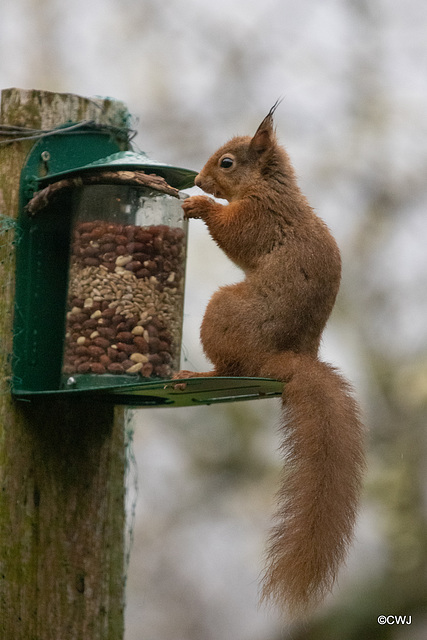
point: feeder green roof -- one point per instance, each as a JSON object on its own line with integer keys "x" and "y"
{"x": 137, "y": 161}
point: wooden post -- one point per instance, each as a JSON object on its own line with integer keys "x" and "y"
{"x": 62, "y": 463}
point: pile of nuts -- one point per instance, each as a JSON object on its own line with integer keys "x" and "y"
{"x": 125, "y": 300}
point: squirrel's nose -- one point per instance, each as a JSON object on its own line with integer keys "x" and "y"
{"x": 198, "y": 181}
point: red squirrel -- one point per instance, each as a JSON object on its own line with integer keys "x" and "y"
{"x": 270, "y": 325}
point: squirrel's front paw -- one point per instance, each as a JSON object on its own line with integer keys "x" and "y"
{"x": 197, "y": 206}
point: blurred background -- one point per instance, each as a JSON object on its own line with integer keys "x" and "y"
{"x": 201, "y": 481}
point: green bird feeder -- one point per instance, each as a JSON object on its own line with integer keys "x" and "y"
{"x": 101, "y": 255}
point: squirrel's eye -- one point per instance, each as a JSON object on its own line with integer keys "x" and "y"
{"x": 226, "y": 163}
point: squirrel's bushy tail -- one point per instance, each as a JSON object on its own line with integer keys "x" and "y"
{"x": 323, "y": 450}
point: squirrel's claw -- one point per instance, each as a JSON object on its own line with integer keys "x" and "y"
{"x": 181, "y": 386}
{"x": 196, "y": 206}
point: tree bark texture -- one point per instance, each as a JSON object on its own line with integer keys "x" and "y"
{"x": 62, "y": 462}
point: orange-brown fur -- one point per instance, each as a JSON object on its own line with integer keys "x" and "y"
{"x": 270, "y": 324}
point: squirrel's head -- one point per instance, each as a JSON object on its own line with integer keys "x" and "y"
{"x": 240, "y": 164}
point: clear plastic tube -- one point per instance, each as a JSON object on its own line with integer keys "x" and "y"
{"x": 126, "y": 284}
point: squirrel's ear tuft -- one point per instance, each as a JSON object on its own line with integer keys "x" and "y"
{"x": 265, "y": 136}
